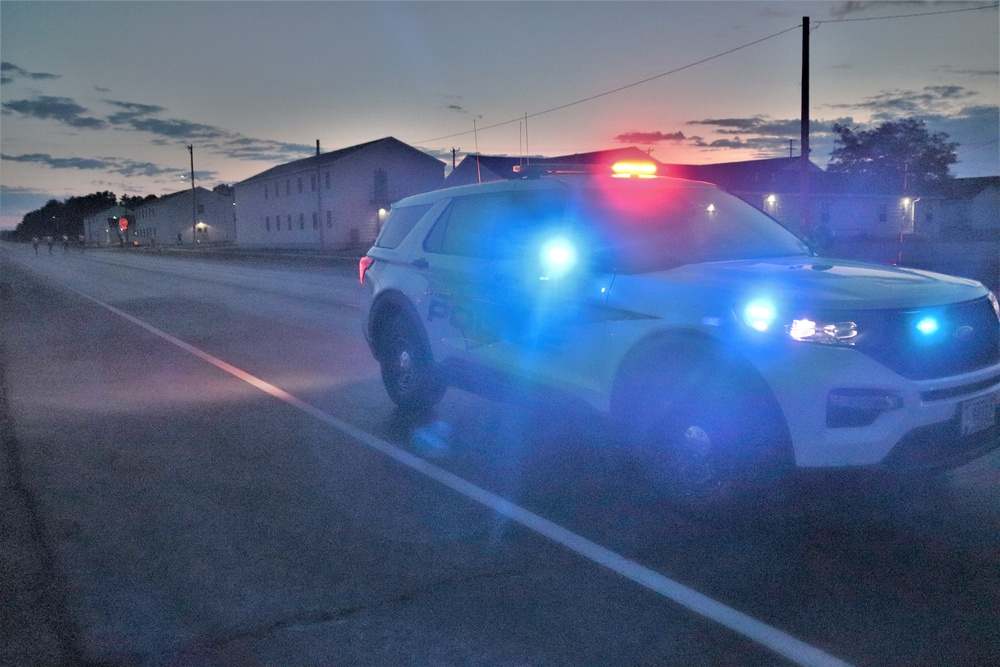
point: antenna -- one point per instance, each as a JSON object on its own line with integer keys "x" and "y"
{"x": 527, "y": 152}
{"x": 479, "y": 171}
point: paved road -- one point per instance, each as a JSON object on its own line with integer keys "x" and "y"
{"x": 202, "y": 469}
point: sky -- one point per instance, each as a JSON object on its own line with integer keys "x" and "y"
{"x": 109, "y": 95}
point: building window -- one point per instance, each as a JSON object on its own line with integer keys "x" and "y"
{"x": 329, "y": 219}
{"x": 327, "y": 180}
{"x": 267, "y": 223}
{"x": 288, "y": 187}
{"x": 302, "y": 220}
{"x": 289, "y": 223}
{"x": 315, "y": 221}
{"x": 300, "y": 184}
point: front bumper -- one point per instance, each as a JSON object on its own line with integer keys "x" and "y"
{"x": 924, "y": 431}
{"x": 941, "y": 446}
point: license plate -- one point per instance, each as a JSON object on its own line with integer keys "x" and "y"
{"x": 978, "y": 414}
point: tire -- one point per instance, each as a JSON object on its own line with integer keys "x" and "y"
{"x": 709, "y": 431}
{"x": 408, "y": 371}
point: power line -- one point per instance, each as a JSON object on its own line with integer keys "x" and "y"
{"x": 704, "y": 60}
{"x": 620, "y": 88}
{"x": 978, "y": 146}
{"x": 910, "y": 16}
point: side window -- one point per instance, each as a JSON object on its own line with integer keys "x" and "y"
{"x": 495, "y": 226}
{"x": 399, "y": 223}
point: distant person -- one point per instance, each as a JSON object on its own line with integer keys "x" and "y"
{"x": 82, "y": 242}
{"x": 65, "y": 244}
{"x": 49, "y": 241}
{"x": 179, "y": 238}
{"x": 34, "y": 242}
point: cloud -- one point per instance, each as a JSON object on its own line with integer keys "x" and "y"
{"x": 61, "y": 109}
{"x": 754, "y": 125}
{"x": 132, "y": 111}
{"x": 143, "y": 118}
{"x": 246, "y": 148}
{"x": 111, "y": 165}
{"x": 9, "y": 72}
{"x": 895, "y": 103}
{"x": 974, "y": 73}
{"x": 646, "y": 138}
{"x": 844, "y": 8}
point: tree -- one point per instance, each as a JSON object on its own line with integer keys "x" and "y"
{"x": 898, "y": 155}
{"x": 57, "y": 218}
{"x": 224, "y": 190}
{"x": 130, "y": 202}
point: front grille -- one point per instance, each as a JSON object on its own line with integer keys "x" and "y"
{"x": 933, "y": 342}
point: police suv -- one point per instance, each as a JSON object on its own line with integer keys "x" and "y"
{"x": 709, "y": 332}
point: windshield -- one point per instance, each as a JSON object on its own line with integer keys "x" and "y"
{"x": 648, "y": 226}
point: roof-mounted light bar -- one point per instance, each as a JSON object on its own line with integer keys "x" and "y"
{"x": 624, "y": 169}
{"x": 634, "y": 169}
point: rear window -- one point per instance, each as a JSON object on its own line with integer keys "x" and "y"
{"x": 399, "y": 223}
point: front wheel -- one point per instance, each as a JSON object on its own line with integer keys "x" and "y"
{"x": 408, "y": 372}
{"x": 712, "y": 434}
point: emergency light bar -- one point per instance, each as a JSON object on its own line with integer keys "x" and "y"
{"x": 619, "y": 169}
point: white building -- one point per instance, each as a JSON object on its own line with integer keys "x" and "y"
{"x": 332, "y": 200}
{"x": 105, "y": 228}
{"x": 174, "y": 218}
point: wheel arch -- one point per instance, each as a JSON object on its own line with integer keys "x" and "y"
{"x": 388, "y": 304}
{"x": 658, "y": 347}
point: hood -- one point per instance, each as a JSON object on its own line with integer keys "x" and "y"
{"x": 804, "y": 281}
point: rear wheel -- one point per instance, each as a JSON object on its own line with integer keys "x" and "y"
{"x": 408, "y": 372}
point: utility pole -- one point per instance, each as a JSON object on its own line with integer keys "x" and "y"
{"x": 454, "y": 151}
{"x": 319, "y": 200}
{"x": 194, "y": 205}
{"x": 804, "y": 221}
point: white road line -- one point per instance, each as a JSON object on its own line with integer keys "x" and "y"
{"x": 778, "y": 641}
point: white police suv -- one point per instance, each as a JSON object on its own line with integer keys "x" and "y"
{"x": 709, "y": 332}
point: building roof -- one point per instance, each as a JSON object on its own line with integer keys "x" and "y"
{"x": 966, "y": 188}
{"x": 323, "y": 159}
{"x": 778, "y": 174}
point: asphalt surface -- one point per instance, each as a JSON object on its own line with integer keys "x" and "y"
{"x": 158, "y": 511}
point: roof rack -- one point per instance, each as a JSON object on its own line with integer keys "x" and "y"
{"x": 537, "y": 170}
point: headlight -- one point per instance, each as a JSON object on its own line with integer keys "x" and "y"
{"x": 764, "y": 317}
{"x": 835, "y": 333}
{"x": 996, "y": 304}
